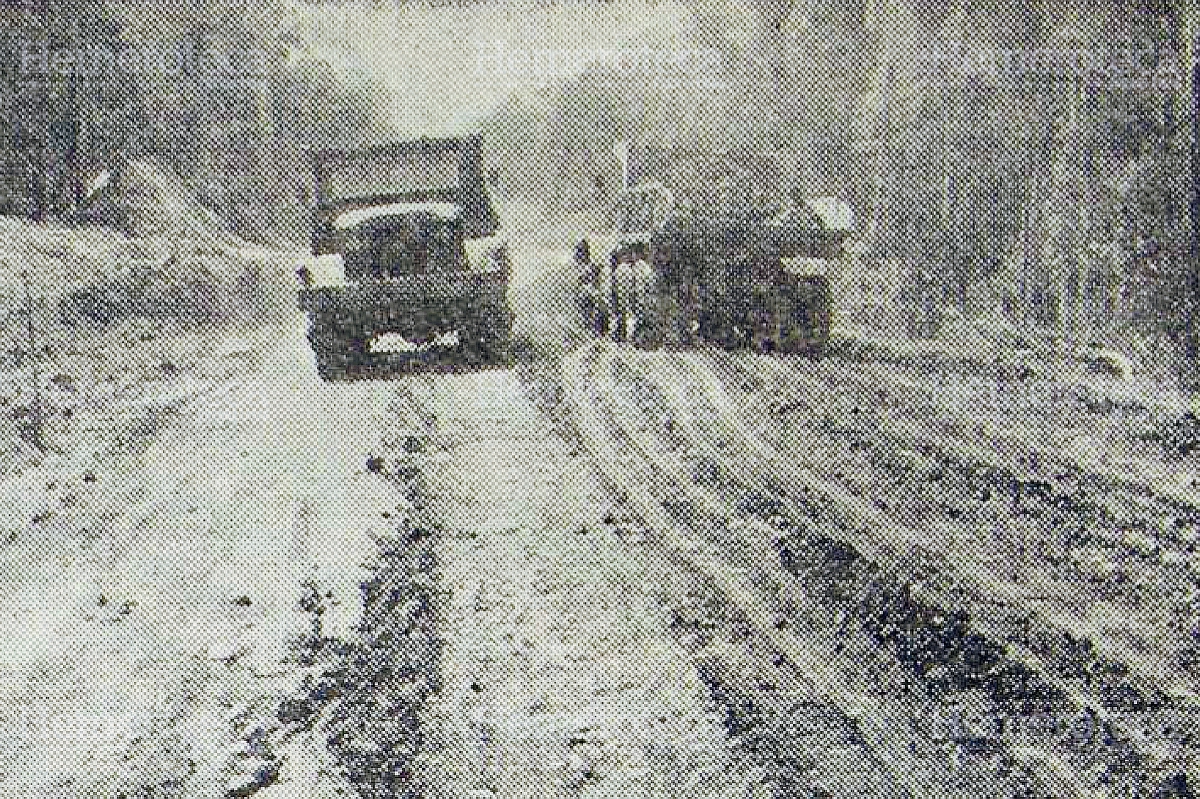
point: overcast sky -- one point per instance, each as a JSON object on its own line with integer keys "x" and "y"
{"x": 441, "y": 62}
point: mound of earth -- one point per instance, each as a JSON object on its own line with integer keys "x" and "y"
{"x": 141, "y": 199}
{"x": 142, "y": 245}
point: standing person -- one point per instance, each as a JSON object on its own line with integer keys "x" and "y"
{"x": 643, "y": 299}
{"x": 602, "y": 284}
{"x": 585, "y": 284}
{"x": 624, "y": 289}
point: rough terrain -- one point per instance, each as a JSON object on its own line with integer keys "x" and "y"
{"x": 606, "y": 572}
{"x": 154, "y": 589}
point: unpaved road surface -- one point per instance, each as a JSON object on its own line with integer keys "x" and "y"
{"x": 992, "y": 611}
{"x": 561, "y": 675}
{"x": 151, "y": 595}
{"x": 612, "y": 572}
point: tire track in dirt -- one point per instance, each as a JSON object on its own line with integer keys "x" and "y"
{"x": 719, "y": 434}
{"x": 1147, "y": 719}
{"x": 914, "y": 545}
{"x": 1123, "y": 525}
{"x": 1072, "y": 536}
{"x": 885, "y": 725}
{"x": 1041, "y": 504}
{"x": 1143, "y": 480}
{"x": 561, "y": 675}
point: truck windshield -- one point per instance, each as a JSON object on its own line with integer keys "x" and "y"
{"x": 402, "y": 245}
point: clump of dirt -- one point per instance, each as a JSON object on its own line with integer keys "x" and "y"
{"x": 382, "y": 682}
{"x": 141, "y": 246}
{"x": 935, "y": 645}
{"x": 362, "y": 700}
{"x": 1179, "y": 436}
{"x": 785, "y": 740}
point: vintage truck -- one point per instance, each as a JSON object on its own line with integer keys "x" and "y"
{"x": 408, "y": 266}
{"x": 733, "y": 258}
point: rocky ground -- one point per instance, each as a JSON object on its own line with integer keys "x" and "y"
{"x": 899, "y": 571}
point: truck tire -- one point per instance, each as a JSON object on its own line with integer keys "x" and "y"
{"x": 338, "y": 351}
{"x": 807, "y": 317}
{"x": 487, "y": 339}
{"x": 820, "y": 315}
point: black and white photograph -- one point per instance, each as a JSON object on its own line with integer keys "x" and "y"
{"x": 599, "y": 399}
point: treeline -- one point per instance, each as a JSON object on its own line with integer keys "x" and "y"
{"x": 1035, "y": 161}
{"x": 1023, "y": 157}
{"x": 220, "y": 92}
{"x": 1026, "y": 158}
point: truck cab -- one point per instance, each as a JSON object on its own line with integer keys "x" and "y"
{"x": 409, "y": 265}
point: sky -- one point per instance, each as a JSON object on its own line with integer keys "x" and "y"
{"x": 449, "y": 64}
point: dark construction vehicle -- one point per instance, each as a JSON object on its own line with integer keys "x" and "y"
{"x": 734, "y": 260}
{"x": 409, "y": 267}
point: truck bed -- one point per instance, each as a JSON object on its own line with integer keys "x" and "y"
{"x": 415, "y": 290}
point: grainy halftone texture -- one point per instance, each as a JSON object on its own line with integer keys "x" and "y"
{"x": 487, "y": 400}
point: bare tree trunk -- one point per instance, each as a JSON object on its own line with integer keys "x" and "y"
{"x": 1185, "y": 106}
{"x": 40, "y": 113}
{"x": 1037, "y": 270}
{"x": 1072, "y": 266}
{"x": 883, "y": 151}
{"x": 73, "y": 188}
{"x": 1034, "y": 280}
{"x": 1030, "y": 199}
{"x": 1192, "y": 336}
{"x": 36, "y": 417}
{"x": 1089, "y": 315}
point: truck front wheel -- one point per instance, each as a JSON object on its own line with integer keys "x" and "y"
{"x": 338, "y": 351}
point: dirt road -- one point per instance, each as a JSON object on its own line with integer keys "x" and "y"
{"x": 993, "y": 614}
{"x": 610, "y": 572}
{"x": 153, "y": 594}
{"x": 561, "y": 676}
